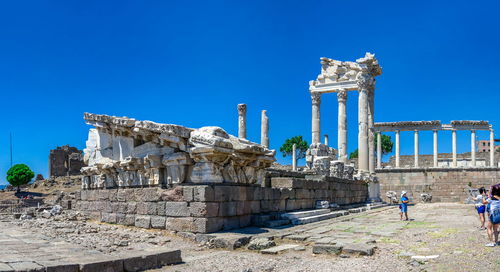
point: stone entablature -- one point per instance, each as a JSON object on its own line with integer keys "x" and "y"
{"x": 432, "y": 125}
{"x": 124, "y": 152}
{"x": 338, "y": 76}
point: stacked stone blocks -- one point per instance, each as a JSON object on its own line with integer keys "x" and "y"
{"x": 210, "y": 208}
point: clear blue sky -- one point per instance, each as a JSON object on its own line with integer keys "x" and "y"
{"x": 192, "y": 62}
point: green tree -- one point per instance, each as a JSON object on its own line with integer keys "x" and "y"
{"x": 354, "y": 154}
{"x": 301, "y": 147}
{"x": 19, "y": 174}
{"x": 387, "y": 146}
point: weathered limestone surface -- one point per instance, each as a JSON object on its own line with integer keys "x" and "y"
{"x": 214, "y": 207}
{"x": 124, "y": 152}
{"x": 242, "y": 121}
{"x": 264, "y": 130}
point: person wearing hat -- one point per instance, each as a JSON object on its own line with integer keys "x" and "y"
{"x": 403, "y": 207}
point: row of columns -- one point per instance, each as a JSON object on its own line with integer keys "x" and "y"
{"x": 435, "y": 148}
{"x": 366, "y": 134}
{"x": 242, "y": 125}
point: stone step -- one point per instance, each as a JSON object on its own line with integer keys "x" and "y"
{"x": 303, "y": 214}
{"x": 357, "y": 210}
{"x": 373, "y": 206}
{"x": 316, "y": 218}
{"x": 276, "y": 223}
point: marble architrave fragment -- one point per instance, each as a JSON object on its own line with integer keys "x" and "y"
{"x": 124, "y": 152}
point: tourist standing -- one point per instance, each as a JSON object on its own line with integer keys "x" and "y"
{"x": 480, "y": 206}
{"x": 403, "y": 207}
{"x": 494, "y": 215}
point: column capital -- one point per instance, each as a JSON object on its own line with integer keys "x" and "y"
{"x": 316, "y": 98}
{"x": 242, "y": 108}
{"x": 366, "y": 82}
{"x": 342, "y": 96}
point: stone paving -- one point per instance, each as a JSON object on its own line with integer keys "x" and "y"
{"x": 27, "y": 250}
{"x": 439, "y": 237}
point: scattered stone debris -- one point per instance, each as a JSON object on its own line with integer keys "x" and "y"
{"x": 261, "y": 243}
{"x": 278, "y": 249}
{"x": 424, "y": 258}
{"x": 426, "y": 197}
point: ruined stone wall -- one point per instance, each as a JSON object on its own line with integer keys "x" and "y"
{"x": 445, "y": 185}
{"x": 209, "y": 208}
{"x": 65, "y": 161}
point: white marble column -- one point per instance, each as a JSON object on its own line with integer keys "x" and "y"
{"x": 242, "y": 121}
{"x": 454, "y": 147}
{"x": 264, "y": 129}
{"x": 416, "y": 148}
{"x": 371, "y": 131}
{"x": 492, "y": 148}
{"x": 294, "y": 157}
{"x": 435, "y": 147}
{"x": 316, "y": 101}
{"x": 326, "y": 139}
{"x": 342, "y": 126}
{"x": 397, "y": 149}
{"x": 473, "y": 147}
{"x": 363, "y": 131}
{"x": 379, "y": 150}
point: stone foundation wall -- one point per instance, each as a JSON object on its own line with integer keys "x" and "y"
{"x": 209, "y": 208}
{"x": 445, "y": 185}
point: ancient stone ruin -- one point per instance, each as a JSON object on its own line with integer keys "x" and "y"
{"x": 154, "y": 175}
{"x": 65, "y": 161}
{"x": 124, "y": 152}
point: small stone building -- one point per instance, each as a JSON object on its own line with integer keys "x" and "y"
{"x": 65, "y": 161}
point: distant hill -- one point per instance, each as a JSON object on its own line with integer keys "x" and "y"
{"x": 2, "y": 186}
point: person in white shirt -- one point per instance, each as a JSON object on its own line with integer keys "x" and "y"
{"x": 480, "y": 207}
{"x": 494, "y": 215}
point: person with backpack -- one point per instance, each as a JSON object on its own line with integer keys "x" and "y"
{"x": 494, "y": 215}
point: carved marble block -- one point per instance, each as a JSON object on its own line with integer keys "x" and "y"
{"x": 124, "y": 152}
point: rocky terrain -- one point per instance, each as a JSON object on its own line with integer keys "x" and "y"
{"x": 439, "y": 237}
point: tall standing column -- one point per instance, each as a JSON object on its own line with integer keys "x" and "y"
{"x": 379, "y": 150}
{"x": 397, "y": 149}
{"x": 316, "y": 101}
{"x": 473, "y": 147}
{"x": 342, "y": 126}
{"x": 454, "y": 147}
{"x": 294, "y": 157}
{"x": 371, "y": 131}
{"x": 242, "y": 121}
{"x": 363, "y": 131}
{"x": 492, "y": 148}
{"x": 264, "y": 129}
{"x": 435, "y": 136}
{"x": 416, "y": 148}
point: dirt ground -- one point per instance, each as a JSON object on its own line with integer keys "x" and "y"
{"x": 448, "y": 231}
